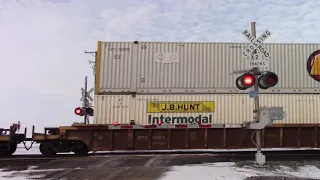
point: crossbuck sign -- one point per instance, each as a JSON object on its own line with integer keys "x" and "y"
{"x": 85, "y": 102}
{"x": 260, "y": 59}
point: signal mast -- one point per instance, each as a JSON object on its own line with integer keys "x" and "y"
{"x": 86, "y": 110}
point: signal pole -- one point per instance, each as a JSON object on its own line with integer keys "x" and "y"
{"x": 256, "y": 88}
{"x": 256, "y": 78}
{"x": 85, "y": 100}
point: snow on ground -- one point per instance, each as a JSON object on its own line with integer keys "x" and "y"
{"x": 22, "y": 150}
{"x": 221, "y": 170}
{"x": 218, "y": 171}
{"x": 229, "y": 171}
{"x": 23, "y": 175}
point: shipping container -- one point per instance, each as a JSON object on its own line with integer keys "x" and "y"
{"x": 183, "y": 67}
{"x": 209, "y": 108}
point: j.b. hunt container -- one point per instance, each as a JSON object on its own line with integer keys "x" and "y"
{"x": 185, "y": 109}
{"x": 193, "y": 68}
{"x": 209, "y": 108}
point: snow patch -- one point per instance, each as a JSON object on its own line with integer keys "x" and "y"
{"x": 25, "y": 174}
{"x": 22, "y": 151}
{"x": 229, "y": 171}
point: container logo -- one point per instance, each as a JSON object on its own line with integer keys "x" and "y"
{"x": 205, "y": 119}
{"x": 181, "y": 107}
{"x": 313, "y": 65}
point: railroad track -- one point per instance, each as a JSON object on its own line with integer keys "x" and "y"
{"x": 315, "y": 154}
{"x": 304, "y": 152}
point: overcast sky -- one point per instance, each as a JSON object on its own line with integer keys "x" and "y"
{"x": 43, "y": 63}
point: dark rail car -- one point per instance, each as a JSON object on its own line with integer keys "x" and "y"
{"x": 81, "y": 138}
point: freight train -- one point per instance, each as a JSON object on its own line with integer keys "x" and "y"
{"x": 174, "y": 95}
{"x": 84, "y": 138}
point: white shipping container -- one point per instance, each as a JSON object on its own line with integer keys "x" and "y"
{"x": 211, "y": 108}
{"x": 173, "y": 67}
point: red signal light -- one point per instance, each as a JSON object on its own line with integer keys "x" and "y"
{"x": 159, "y": 122}
{"x": 116, "y": 123}
{"x": 268, "y": 80}
{"x": 248, "y": 80}
{"x": 245, "y": 81}
{"x": 78, "y": 111}
{"x": 89, "y": 111}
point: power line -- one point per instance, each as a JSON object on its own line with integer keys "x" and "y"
{"x": 51, "y": 25}
{"x": 83, "y": 30}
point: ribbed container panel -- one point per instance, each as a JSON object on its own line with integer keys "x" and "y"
{"x": 117, "y": 65}
{"x": 228, "y": 108}
{"x": 173, "y": 67}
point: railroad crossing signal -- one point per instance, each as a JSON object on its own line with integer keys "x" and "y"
{"x": 265, "y": 81}
{"x": 81, "y": 111}
{"x": 270, "y": 79}
{"x": 245, "y": 81}
{"x": 89, "y": 111}
{"x": 78, "y": 111}
{"x": 84, "y": 94}
{"x": 257, "y": 60}
{"x": 86, "y": 110}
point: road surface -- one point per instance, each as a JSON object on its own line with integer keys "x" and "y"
{"x": 146, "y": 167}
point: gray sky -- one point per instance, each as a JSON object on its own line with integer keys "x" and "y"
{"x": 43, "y": 64}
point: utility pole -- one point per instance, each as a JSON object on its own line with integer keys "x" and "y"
{"x": 256, "y": 88}
{"x": 93, "y": 62}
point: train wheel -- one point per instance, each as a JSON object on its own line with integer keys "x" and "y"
{"x": 4, "y": 149}
{"x": 12, "y": 148}
{"x": 80, "y": 149}
{"x": 47, "y": 149}
{"x": 7, "y": 149}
